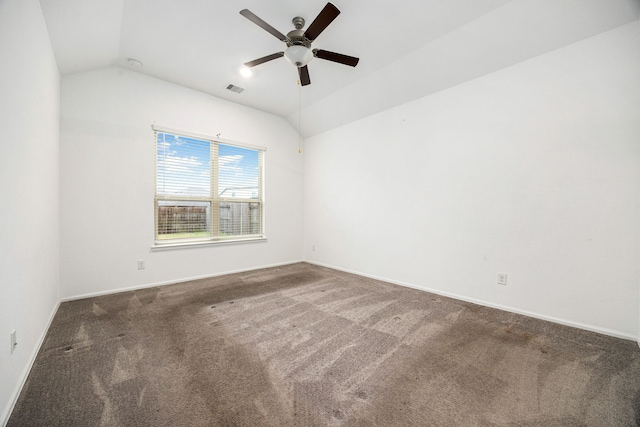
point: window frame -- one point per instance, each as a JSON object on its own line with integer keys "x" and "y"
{"x": 214, "y": 198}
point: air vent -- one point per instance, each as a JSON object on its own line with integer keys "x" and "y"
{"x": 234, "y": 88}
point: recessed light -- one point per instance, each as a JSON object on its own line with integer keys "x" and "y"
{"x": 246, "y": 72}
{"x": 134, "y": 62}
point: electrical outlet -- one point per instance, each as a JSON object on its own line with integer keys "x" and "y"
{"x": 14, "y": 342}
{"x": 313, "y": 248}
{"x": 140, "y": 264}
{"x": 502, "y": 278}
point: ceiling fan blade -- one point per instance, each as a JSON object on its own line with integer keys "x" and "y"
{"x": 303, "y": 72}
{"x": 336, "y": 57}
{"x": 264, "y": 59}
{"x": 322, "y": 21}
{"x": 260, "y": 23}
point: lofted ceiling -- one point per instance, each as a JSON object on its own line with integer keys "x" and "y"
{"x": 407, "y": 48}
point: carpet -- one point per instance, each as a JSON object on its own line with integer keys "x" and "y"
{"x": 303, "y": 345}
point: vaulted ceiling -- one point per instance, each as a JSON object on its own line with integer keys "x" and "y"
{"x": 407, "y": 48}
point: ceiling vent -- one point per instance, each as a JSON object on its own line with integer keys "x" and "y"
{"x": 234, "y": 88}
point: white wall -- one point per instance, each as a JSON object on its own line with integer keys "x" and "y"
{"x": 107, "y": 182}
{"x": 29, "y": 187}
{"x": 533, "y": 171}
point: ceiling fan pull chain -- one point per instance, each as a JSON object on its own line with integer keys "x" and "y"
{"x": 299, "y": 118}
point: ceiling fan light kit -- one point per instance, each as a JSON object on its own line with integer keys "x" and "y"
{"x": 298, "y": 55}
{"x": 298, "y": 42}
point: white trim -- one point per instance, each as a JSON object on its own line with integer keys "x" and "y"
{"x": 172, "y": 282}
{"x": 27, "y": 370}
{"x": 197, "y": 244}
{"x": 578, "y": 325}
{"x": 157, "y": 128}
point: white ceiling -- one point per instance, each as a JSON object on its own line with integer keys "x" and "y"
{"x": 407, "y": 48}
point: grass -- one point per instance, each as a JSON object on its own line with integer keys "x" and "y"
{"x": 190, "y": 235}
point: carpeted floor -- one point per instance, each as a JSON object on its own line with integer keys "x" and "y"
{"x": 302, "y": 345}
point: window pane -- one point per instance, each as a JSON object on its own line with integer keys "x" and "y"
{"x": 183, "y": 219}
{"x": 206, "y": 190}
{"x": 240, "y": 218}
{"x": 238, "y": 172}
{"x": 183, "y": 166}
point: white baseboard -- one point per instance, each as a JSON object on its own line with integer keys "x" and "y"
{"x": 172, "y": 282}
{"x": 578, "y": 325}
{"x": 25, "y": 372}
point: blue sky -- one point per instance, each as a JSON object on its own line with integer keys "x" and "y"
{"x": 184, "y": 168}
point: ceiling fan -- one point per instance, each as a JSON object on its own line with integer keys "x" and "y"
{"x": 298, "y": 50}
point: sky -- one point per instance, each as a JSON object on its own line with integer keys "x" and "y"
{"x": 183, "y": 168}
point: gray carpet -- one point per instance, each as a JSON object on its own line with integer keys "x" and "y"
{"x": 302, "y": 345}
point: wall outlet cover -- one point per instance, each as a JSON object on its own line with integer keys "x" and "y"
{"x": 502, "y": 278}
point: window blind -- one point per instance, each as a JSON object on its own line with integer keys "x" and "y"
{"x": 206, "y": 189}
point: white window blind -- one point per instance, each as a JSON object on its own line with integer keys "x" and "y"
{"x": 206, "y": 190}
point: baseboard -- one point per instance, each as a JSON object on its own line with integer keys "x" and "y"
{"x": 578, "y": 325}
{"x": 172, "y": 282}
{"x": 25, "y": 372}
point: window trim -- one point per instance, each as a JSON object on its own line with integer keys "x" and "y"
{"x": 200, "y": 243}
{"x": 192, "y": 243}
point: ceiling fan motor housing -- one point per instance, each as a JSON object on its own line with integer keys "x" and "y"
{"x": 297, "y": 38}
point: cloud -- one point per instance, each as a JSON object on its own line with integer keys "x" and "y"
{"x": 230, "y": 160}
{"x": 186, "y": 165}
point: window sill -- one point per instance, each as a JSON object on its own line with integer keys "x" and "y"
{"x": 185, "y": 245}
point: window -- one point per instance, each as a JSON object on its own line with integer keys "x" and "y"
{"x": 206, "y": 190}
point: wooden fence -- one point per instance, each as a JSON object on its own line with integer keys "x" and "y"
{"x": 182, "y": 219}
{"x": 236, "y": 218}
